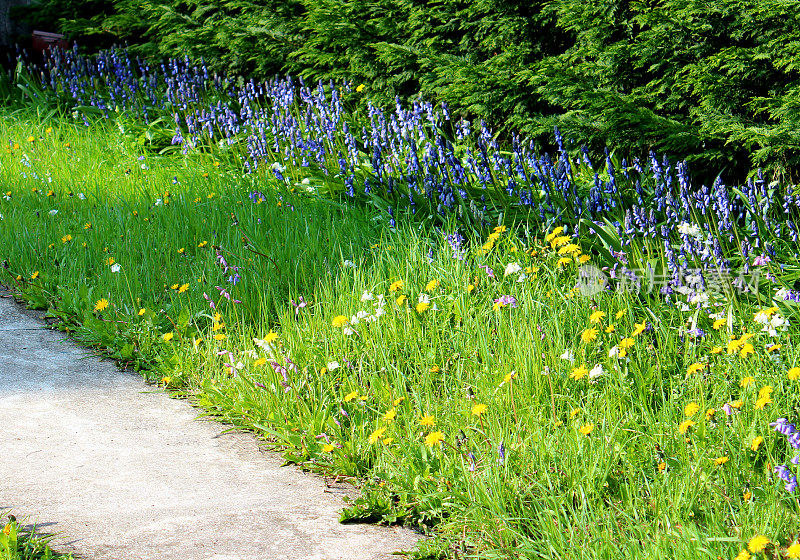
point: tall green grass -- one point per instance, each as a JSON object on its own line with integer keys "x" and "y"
{"x": 463, "y": 417}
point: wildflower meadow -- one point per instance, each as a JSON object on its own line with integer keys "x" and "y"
{"x": 523, "y": 354}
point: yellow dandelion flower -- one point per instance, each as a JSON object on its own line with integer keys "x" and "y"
{"x": 432, "y": 285}
{"x": 710, "y": 413}
{"x": 350, "y": 396}
{"x": 260, "y": 362}
{"x": 500, "y": 229}
{"x": 684, "y": 426}
{"x": 743, "y": 555}
{"x": 793, "y": 551}
{"x": 583, "y": 259}
{"x": 183, "y": 288}
{"x": 174, "y": 286}
{"x": 747, "y": 349}
{"x": 619, "y": 314}
{"x": 694, "y": 368}
{"x": 395, "y": 286}
{"x": 390, "y": 414}
{"x": 627, "y": 343}
{"x": 756, "y": 443}
{"x": 609, "y": 329}
{"x": 360, "y": 88}
{"x": 270, "y": 337}
{"x": 719, "y": 461}
{"x": 774, "y": 348}
{"x": 691, "y": 409}
{"x": 220, "y": 336}
{"x": 427, "y": 420}
{"x": 166, "y": 337}
{"x": 101, "y": 305}
{"x": 401, "y": 300}
{"x": 793, "y": 374}
{"x": 757, "y": 544}
{"x": 434, "y": 369}
{"x": 328, "y": 448}
{"x": 422, "y": 306}
{"x": 765, "y": 391}
{"x": 339, "y": 321}
{"x": 597, "y": 316}
{"x": 762, "y": 402}
{"x": 589, "y": 335}
{"x": 479, "y": 409}
{"x": 718, "y": 324}
{"x": 747, "y": 381}
{"x": 579, "y": 372}
{"x": 434, "y": 438}
{"x": 470, "y": 288}
{"x": 563, "y": 261}
{"x": 717, "y": 350}
{"x": 142, "y": 311}
{"x": 574, "y": 413}
{"x": 662, "y": 466}
{"x": 638, "y": 328}
{"x": 736, "y": 404}
{"x": 109, "y": 261}
{"x": 586, "y": 429}
{"x": 375, "y": 436}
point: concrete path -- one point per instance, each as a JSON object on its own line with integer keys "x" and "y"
{"x": 123, "y": 472}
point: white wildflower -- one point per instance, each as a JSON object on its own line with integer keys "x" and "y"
{"x": 512, "y": 268}
{"x": 568, "y": 355}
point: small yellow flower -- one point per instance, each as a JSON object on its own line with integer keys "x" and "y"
{"x": 638, "y": 328}
{"x": 762, "y": 402}
{"x": 260, "y": 362}
{"x": 433, "y": 438}
{"x": 434, "y": 369}
{"x": 747, "y": 349}
{"x": 360, "y": 88}
{"x": 422, "y": 306}
{"x": 328, "y": 448}
{"x": 774, "y": 348}
{"x": 710, "y": 413}
{"x": 166, "y": 380}
{"x": 793, "y": 551}
{"x": 758, "y": 544}
{"x": 101, "y": 305}
{"x": 167, "y": 336}
{"x": 183, "y": 288}
{"x": 694, "y": 368}
{"x": 662, "y": 466}
{"x": 793, "y": 374}
{"x": 574, "y": 413}
{"x": 109, "y": 261}
{"x": 627, "y": 343}
{"x": 718, "y": 324}
{"x": 432, "y": 285}
{"x": 427, "y": 420}
{"x": 743, "y": 555}
{"x": 376, "y": 435}
{"x": 691, "y": 409}
{"x": 736, "y": 404}
{"x": 339, "y": 321}
{"x": 765, "y": 392}
{"x": 717, "y": 350}
{"x": 589, "y": 335}
{"x": 747, "y": 381}
{"x": 583, "y": 259}
{"x": 619, "y": 314}
{"x": 271, "y": 337}
{"x": 220, "y": 336}
{"x": 563, "y": 261}
{"x": 479, "y": 409}
{"x": 87, "y": 225}
{"x": 395, "y": 286}
{"x": 684, "y": 426}
{"x": 182, "y": 250}
{"x": 756, "y": 443}
{"x": 350, "y": 396}
{"x": 586, "y": 429}
{"x": 579, "y": 372}
{"x": 142, "y": 311}
{"x": 597, "y": 316}
{"x": 719, "y": 461}
{"x": 401, "y": 300}
{"x": 470, "y": 288}
{"x": 500, "y": 229}
{"x": 173, "y": 287}
{"x": 609, "y": 329}
{"x": 390, "y": 415}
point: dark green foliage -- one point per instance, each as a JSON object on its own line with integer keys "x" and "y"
{"x": 716, "y": 82}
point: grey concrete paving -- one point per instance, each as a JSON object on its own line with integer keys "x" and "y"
{"x": 123, "y": 472}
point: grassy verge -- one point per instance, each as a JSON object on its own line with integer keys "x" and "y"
{"x": 470, "y": 387}
{"x": 22, "y": 543}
